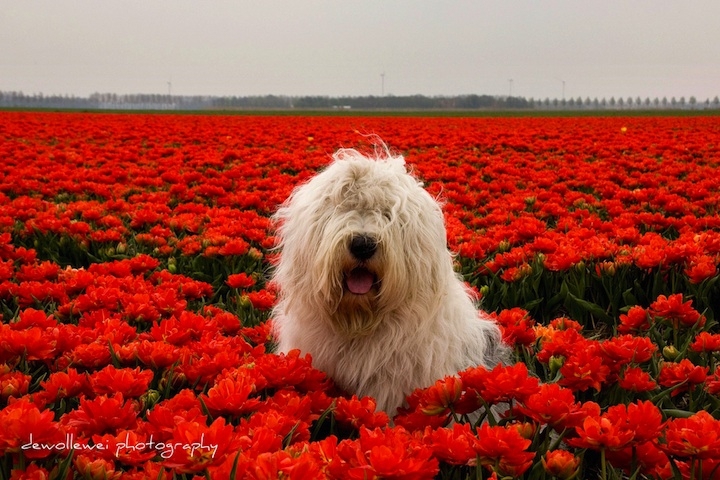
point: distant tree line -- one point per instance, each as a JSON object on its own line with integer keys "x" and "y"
{"x": 112, "y": 101}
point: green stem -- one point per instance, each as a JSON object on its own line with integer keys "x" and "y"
{"x": 692, "y": 469}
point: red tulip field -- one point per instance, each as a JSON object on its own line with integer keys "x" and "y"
{"x": 135, "y": 301}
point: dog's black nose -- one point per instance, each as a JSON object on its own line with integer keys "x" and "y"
{"x": 363, "y": 247}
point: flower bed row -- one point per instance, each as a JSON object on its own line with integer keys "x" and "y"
{"x": 135, "y": 339}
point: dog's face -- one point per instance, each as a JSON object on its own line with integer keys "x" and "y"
{"x": 360, "y": 240}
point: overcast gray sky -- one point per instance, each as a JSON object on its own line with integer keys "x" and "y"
{"x": 646, "y": 48}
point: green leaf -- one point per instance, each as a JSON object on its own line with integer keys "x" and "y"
{"x": 589, "y": 307}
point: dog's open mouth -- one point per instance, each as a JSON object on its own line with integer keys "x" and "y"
{"x": 359, "y": 280}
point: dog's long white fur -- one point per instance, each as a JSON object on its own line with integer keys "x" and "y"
{"x": 418, "y": 324}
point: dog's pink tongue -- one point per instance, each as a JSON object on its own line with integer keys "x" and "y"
{"x": 359, "y": 281}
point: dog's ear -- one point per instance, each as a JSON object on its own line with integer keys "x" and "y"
{"x": 350, "y": 154}
{"x": 345, "y": 154}
{"x": 397, "y": 163}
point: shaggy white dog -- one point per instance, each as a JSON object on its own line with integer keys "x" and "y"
{"x": 367, "y": 286}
